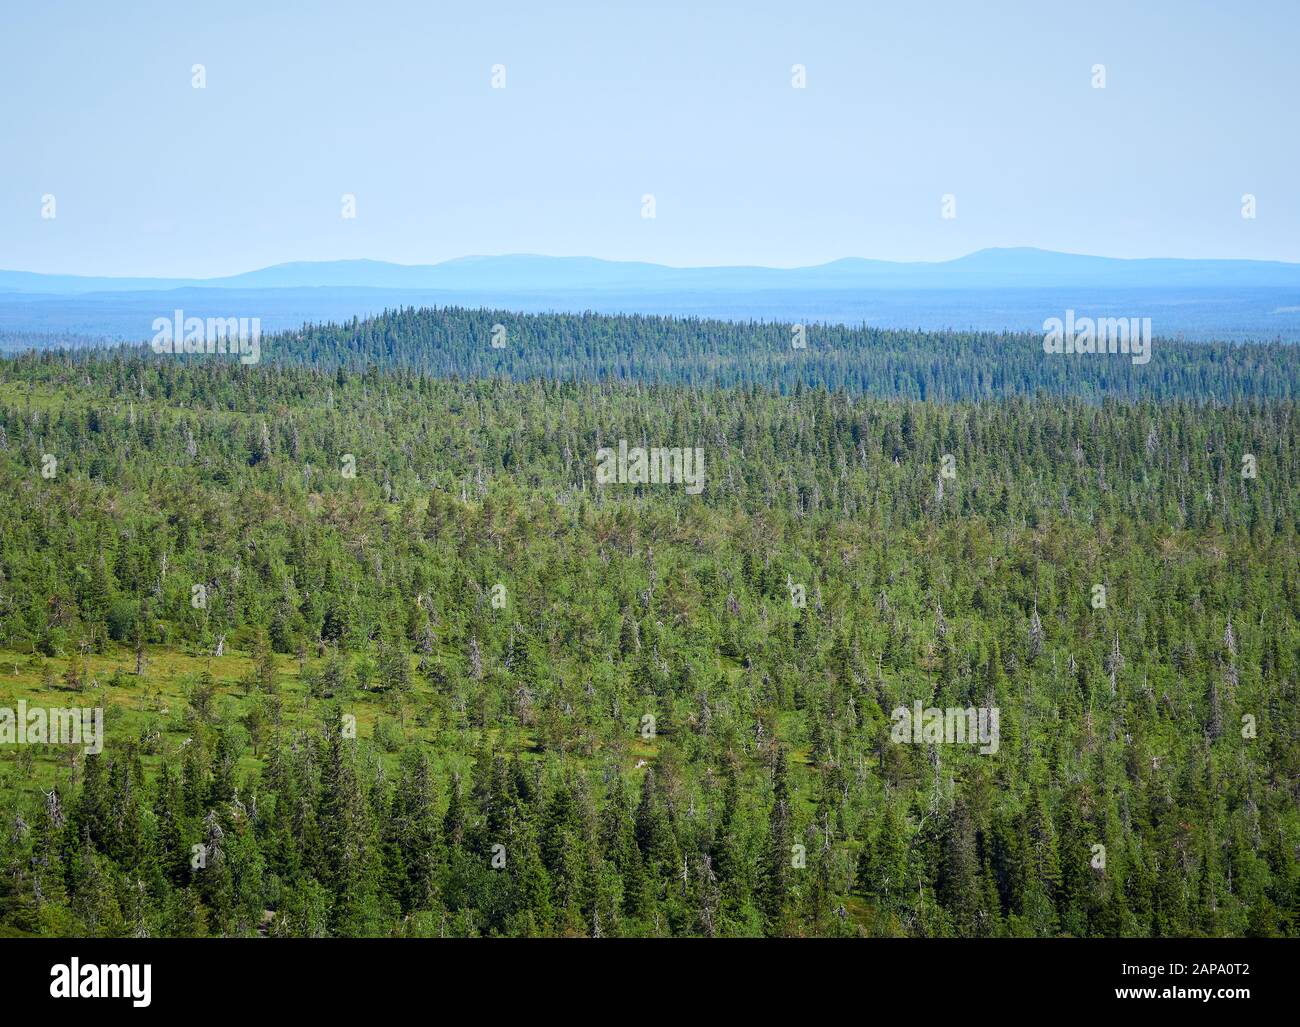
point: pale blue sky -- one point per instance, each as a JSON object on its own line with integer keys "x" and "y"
{"x": 604, "y": 102}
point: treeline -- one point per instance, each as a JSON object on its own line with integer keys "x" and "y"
{"x": 21, "y": 341}
{"x": 504, "y": 781}
{"x": 946, "y": 366}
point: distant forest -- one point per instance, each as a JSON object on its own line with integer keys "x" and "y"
{"x": 939, "y": 366}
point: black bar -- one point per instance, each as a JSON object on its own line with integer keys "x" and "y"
{"x": 940, "y": 975}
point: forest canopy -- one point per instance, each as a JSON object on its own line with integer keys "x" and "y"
{"x": 378, "y": 655}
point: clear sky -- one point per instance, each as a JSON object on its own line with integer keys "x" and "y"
{"x": 604, "y": 102}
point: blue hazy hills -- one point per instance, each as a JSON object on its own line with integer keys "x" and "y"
{"x": 992, "y": 289}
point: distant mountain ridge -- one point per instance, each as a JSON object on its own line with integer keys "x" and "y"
{"x": 1005, "y": 268}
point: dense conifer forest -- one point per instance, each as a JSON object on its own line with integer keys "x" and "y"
{"x": 953, "y": 365}
{"x": 379, "y": 655}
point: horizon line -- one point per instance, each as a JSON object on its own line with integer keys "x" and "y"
{"x": 655, "y": 264}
